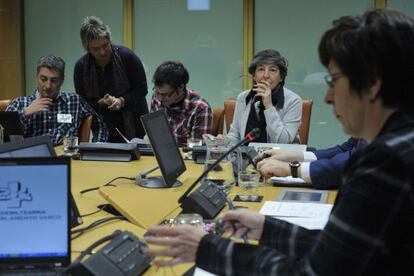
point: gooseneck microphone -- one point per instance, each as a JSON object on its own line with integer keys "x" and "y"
{"x": 253, "y": 134}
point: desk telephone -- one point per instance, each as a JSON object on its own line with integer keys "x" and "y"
{"x": 123, "y": 255}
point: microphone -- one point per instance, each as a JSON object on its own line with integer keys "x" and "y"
{"x": 123, "y": 137}
{"x": 196, "y": 202}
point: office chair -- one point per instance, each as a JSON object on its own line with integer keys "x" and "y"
{"x": 305, "y": 121}
{"x": 85, "y": 129}
{"x": 229, "y": 105}
{"x": 307, "y": 104}
{"x": 218, "y": 121}
{"x": 4, "y": 104}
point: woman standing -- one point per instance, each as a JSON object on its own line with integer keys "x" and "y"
{"x": 112, "y": 79}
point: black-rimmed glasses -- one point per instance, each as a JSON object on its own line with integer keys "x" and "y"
{"x": 330, "y": 79}
{"x": 163, "y": 95}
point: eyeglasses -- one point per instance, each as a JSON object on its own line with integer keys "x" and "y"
{"x": 331, "y": 79}
{"x": 163, "y": 95}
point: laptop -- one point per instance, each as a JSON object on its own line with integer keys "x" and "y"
{"x": 34, "y": 215}
{"x": 13, "y": 128}
{"x": 39, "y": 146}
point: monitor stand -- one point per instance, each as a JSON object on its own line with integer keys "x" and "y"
{"x": 157, "y": 182}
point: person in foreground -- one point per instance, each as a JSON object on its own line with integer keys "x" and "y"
{"x": 323, "y": 168}
{"x": 112, "y": 79}
{"x": 189, "y": 114}
{"x": 370, "y": 230}
{"x": 53, "y": 112}
{"x": 268, "y": 105}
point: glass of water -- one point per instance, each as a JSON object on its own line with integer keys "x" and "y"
{"x": 69, "y": 142}
{"x": 222, "y": 174}
{"x": 191, "y": 142}
{"x": 191, "y": 219}
{"x": 248, "y": 184}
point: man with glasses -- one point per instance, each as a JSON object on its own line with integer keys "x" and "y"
{"x": 189, "y": 114}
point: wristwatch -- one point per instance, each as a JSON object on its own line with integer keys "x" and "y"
{"x": 294, "y": 165}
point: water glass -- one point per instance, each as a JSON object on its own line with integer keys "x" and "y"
{"x": 190, "y": 219}
{"x": 69, "y": 143}
{"x": 191, "y": 142}
{"x": 222, "y": 174}
{"x": 249, "y": 184}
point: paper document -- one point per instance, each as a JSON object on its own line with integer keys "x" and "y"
{"x": 139, "y": 141}
{"x": 133, "y": 140}
{"x": 308, "y": 223}
{"x": 308, "y": 215}
{"x": 293, "y": 147}
{"x": 287, "y": 179}
{"x": 201, "y": 272}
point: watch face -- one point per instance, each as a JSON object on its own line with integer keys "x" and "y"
{"x": 295, "y": 164}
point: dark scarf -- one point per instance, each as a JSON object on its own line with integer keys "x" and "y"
{"x": 121, "y": 86}
{"x": 90, "y": 76}
{"x": 254, "y": 121}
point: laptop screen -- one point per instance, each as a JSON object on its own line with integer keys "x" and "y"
{"x": 34, "y": 212}
{"x": 11, "y": 123}
{"x": 39, "y": 146}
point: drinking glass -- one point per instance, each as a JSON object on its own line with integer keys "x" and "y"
{"x": 69, "y": 142}
{"x": 191, "y": 142}
{"x": 249, "y": 184}
{"x": 190, "y": 219}
{"x": 222, "y": 174}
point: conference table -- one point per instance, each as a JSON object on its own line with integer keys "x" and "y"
{"x": 142, "y": 207}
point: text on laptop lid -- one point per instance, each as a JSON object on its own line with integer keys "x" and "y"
{"x": 34, "y": 212}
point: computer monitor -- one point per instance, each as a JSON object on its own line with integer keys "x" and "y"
{"x": 38, "y": 146}
{"x": 165, "y": 150}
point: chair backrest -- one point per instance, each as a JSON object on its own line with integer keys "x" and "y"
{"x": 305, "y": 121}
{"x": 85, "y": 129}
{"x": 4, "y": 104}
{"x": 218, "y": 121}
{"x": 229, "y": 105}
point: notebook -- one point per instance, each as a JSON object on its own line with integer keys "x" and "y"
{"x": 34, "y": 215}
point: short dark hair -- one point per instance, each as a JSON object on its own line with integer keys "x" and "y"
{"x": 52, "y": 62}
{"x": 172, "y": 73}
{"x": 269, "y": 56}
{"x": 376, "y": 45}
{"x": 93, "y": 28}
